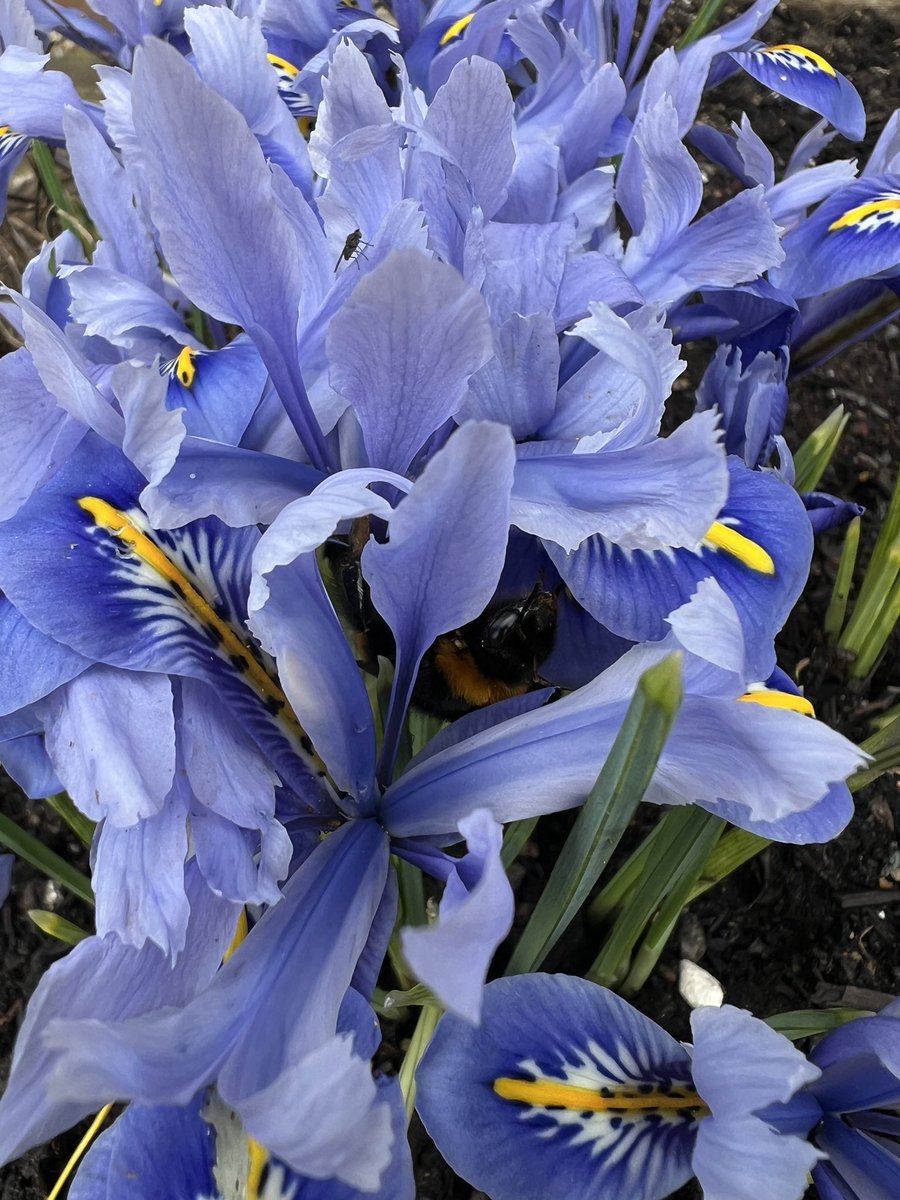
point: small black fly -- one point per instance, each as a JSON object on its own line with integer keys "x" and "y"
{"x": 353, "y": 248}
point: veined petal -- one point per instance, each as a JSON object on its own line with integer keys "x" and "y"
{"x": 854, "y": 234}
{"x": 241, "y": 487}
{"x": 149, "y": 1152}
{"x": 402, "y": 349}
{"x": 859, "y": 1161}
{"x": 445, "y": 554}
{"x": 145, "y": 600}
{"x": 114, "y": 770}
{"x": 31, "y": 664}
{"x": 228, "y": 239}
{"x": 618, "y": 396}
{"x": 563, "y": 1090}
{"x": 138, "y": 877}
{"x": 736, "y": 1157}
{"x": 102, "y": 979}
{"x": 631, "y": 593}
{"x": 807, "y": 77}
{"x": 104, "y": 188}
{"x": 763, "y": 1066}
{"x": 273, "y": 1002}
{"x": 665, "y": 493}
{"x": 471, "y": 116}
{"x": 735, "y": 243}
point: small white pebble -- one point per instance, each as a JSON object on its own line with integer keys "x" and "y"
{"x": 697, "y": 987}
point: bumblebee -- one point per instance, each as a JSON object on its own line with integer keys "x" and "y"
{"x": 492, "y": 658}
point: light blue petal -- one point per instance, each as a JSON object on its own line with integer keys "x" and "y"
{"x": 734, "y": 243}
{"x": 126, "y": 239}
{"x": 619, "y": 395}
{"x": 104, "y": 980}
{"x": 452, "y": 956}
{"x": 735, "y": 1158}
{"x": 471, "y": 116}
{"x": 239, "y": 486}
{"x": 228, "y": 240}
{"x": 662, "y": 494}
{"x": 740, "y": 1065}
{"x": 114, "y": 769}
{"x": 518, "y": 385}
{"x": 138, "y": 876}
{"x": 446, "y": 550}
{"x": 402, "y": 349}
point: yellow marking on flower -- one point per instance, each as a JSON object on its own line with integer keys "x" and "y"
{"x": 305, "y": 124}
{"x": 258, "y": 1156}
{"x": 723, "y": 537}
{"x": 855, "y": 216}
{"x": 770, "y": 698}
{"x": 158, "y": 3}
{"x": 282, "y": 64}
{"x": 801, "y": 51}
{"x": 185, "y": 371}
{"x": 219, "y": 632}
{"x": 79, "y": 1150}
{"x": 549, "y": 1093}
{"x": 4, "y": 130}
{"x": 240, "y": 932}
{"x": 457, "y": 28}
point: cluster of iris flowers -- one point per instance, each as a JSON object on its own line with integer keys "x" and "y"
{"x": 351, "y": 412}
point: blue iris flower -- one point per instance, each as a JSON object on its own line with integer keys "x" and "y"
{"x": 859, "y": 1097}
{"x": 565, "y": 1089}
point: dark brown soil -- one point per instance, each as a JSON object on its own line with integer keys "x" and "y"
{"x": 799, "y": 926}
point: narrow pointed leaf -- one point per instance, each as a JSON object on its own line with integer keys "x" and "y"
{"x": 57, "y": 927}
{"x": 27, "y": 846}
{"x": 817, "y": 451}
{"x": 837, "y": 605}
{"x": 606, "y": 813}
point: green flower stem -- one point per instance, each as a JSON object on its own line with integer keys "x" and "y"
{"x": 429, "y": 1016}
{"x": 702, "y": 23}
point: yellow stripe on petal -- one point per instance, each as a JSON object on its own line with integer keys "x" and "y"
{"x": 185, "y": 370}
{"x": 770, "y": 698}
{"x": 259, "y": 1157}
{"x": 282, "y": 64}
{"x": 856, "y": 216}
{"x": 240, "y": 932}
{"x": 550, "y": 1093}
{"x": 801, "y": 52}
{"x": 4, "y": 130}
{"x": 752, "y": 555}
{"x": 457, "y": 28}
{"x": 220, "y": 633}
